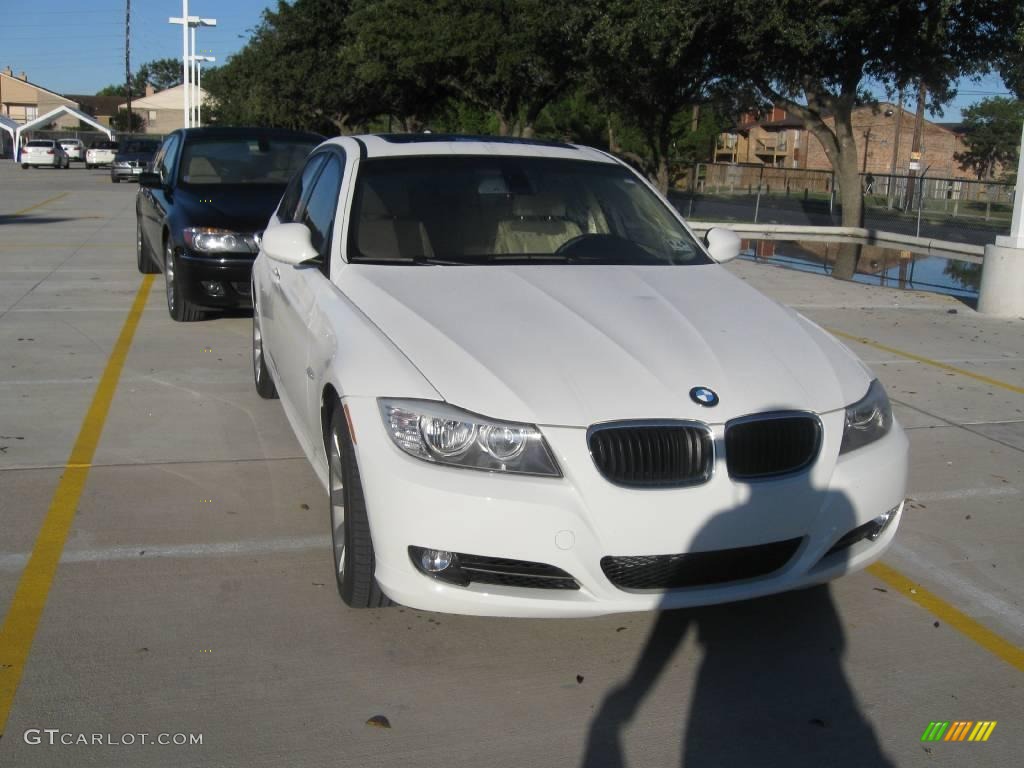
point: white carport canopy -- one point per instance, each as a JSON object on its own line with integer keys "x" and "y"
{"x": 10, "y": 126}
{"x": 52, "y": 115}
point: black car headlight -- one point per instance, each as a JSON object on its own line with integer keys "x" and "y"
{"x": 867, "y": 420}
{"x": 213, "y": 240}
{"x": 441, "y": 434}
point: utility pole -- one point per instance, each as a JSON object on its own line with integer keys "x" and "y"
{"x": 896, "y": 150}
{"x": 128, "y": 57}
{"x": 915, "y": 147}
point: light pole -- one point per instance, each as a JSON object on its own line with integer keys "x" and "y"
{"x": 199, "y": 87}
{"x": 1002, "y": 272}
{"x": 188, "y": 23}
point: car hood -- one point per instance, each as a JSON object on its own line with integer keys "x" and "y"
{"x": 239, "y": 207}
{"x": 574, "y": 346}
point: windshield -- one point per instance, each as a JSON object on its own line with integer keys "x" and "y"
{"x": 473, "y": 210}
{"x": 140, "y": 147}
{"x": 243, "y": 160}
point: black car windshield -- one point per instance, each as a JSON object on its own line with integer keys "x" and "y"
{"x": 243, "y": 160}
{"x": 140, "y": 147}
{"x": 482, "y": 210}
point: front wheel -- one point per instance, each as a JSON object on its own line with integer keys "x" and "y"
{"x": 179, "y": 308}
{"x": 261, "y": 376}
{"x": 351, "y": 544}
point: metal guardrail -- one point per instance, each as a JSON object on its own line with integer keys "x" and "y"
{"x": 973, "y": 254}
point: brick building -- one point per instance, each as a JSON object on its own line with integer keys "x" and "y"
{"x": 779, "y": 139}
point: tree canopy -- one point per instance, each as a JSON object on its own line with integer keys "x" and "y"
{"x": 160, "y": 73}
{"x": 992, "y": 133}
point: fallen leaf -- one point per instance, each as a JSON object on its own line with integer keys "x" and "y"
{"x": 379, "y": 721}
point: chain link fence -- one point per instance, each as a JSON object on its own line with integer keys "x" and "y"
{"x": 960, "y": 210}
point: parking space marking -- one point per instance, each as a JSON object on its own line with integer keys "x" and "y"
{"x": 14, "y": 561}
{"x": 33, "y": 588}
{"x": 960, "y": 621}
{"x": 47, "y": 201}
{"x": 927, "y": 361}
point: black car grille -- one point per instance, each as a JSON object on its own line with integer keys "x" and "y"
{"x": 652, "y": 455}
{"x": 771, "y": 446}
{"x": 698, "y": 569}
{"x": 513, "y": 573}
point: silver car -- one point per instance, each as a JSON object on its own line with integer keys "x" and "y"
{"x": 44, "y": 153}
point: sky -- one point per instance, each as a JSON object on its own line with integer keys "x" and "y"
{"x": 77, "y": 46}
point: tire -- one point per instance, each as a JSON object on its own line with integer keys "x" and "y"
{"x": 88, "y": 167}
{"x": 261, "y": 376}
{"x": 143, "y": 258}
{"x": 178, "y": 307}
{"x": 115, "y": 180}
{"x": 24, "y": 166}
{"x": 351, "y": 545}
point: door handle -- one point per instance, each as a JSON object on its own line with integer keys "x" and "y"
{"x": 276, "y": 273}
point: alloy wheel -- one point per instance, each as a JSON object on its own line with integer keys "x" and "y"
{"x": 337, "y": 507}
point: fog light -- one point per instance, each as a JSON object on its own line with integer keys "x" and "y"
{"x": 881, "y": 522}
{"x": 435, "y": 560}
{"x": 213, "y": 288}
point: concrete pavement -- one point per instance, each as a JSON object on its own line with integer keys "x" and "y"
{"x": 194, "y": 595}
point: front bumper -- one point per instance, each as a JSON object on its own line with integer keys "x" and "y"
{"x": 573, "y": 522}
{"x": 232, "y": 276}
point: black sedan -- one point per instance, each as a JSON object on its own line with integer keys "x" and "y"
{"x": 202, "y": 208}
{"x": 132, "y": 158}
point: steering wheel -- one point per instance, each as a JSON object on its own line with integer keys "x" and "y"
{"x": 597, "y": 246}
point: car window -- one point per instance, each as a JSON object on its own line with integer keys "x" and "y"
{"x": 39, "y": 143}
{"x": 165, "y": 160}
{"x": 255, "y": 160}
{"x": 318, "y": 212}
{"x": 298, "y": 188}
{"x": 486, "y": 210}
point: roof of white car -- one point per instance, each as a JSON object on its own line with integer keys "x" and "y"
{"x": 408, "y": 144}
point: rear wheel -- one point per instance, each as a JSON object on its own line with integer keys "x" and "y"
{"x": 115, "y": 180}
{"x": 261, "y": 376}
{"x": 179, "y": 308}
{"x": 143, "y": 259}
{"x": 351, "y": 544}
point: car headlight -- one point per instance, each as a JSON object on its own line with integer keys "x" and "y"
{"x": 439, "y": 433}
{"x": 212, "y": 240}
{"x": 867, "y": 420}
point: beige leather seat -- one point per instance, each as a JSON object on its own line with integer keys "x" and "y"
{"x": 201, "y": 171}
{"x": 538, "y": 225}
{"x": 389, "y": 233}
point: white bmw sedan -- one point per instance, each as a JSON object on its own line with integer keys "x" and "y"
{"x": 529, "y": 390}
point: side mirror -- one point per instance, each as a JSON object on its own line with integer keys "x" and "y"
{"x": 288, "y": 243}
{"x": 723, "y": 244}
{"x": 150, "y": 180}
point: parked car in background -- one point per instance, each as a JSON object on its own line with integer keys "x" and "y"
{"x": 528, "y": 389}
{"x": 132, "y": 158}
{"x": 100, "y": 153}
{"x": 73, "y": 148}
{"x": 201, "y": 210}
{"x": 44, "y": 153}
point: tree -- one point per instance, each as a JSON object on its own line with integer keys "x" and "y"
{"x": 119, "y": 122}
{"x": 292, "y": 73}
{"x": 992, "y": 133}
{"x": 653, "y": 60}
{"x": 160, "y": 73}
{"x": 818, "y": 57}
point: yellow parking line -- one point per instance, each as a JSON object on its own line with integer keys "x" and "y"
{"x": 960, "y": 621}
{"x": 928, "y": 361}
{"x": 48, "y": 200}
{"x": 19, "y": 627}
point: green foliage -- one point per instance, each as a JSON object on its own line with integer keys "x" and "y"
{"x": 993, "y": 133}
{"x": 119, "y": 122}
{"x": 160, "y": 73}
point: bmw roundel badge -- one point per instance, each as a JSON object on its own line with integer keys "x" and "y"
{"x": 704, "y": 396}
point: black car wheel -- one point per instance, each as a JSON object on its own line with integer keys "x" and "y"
{"x": 350, "y": 530}
{"x": 261, "y": 376}
{"x": 143, "y": 259}
{"x": 179, "y": 308}
{"x": 115, "y": 180}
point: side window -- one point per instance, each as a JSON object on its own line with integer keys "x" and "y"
{"x": 164, "y": 161}
{"x": 318, "y": 213}
{"x": 298, "y": 187}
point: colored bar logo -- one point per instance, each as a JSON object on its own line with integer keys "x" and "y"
{"x": 958, "y": 730}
